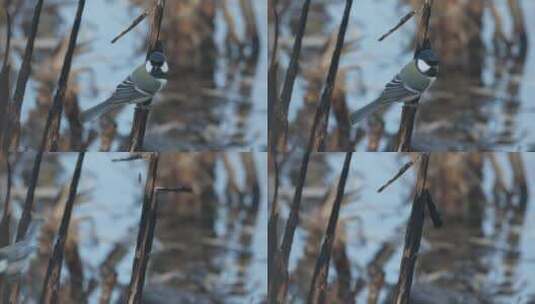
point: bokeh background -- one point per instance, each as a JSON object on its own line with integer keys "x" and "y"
{"x": 214, "y": 100}
{"x": 484, "y": 253}
{"x": 209, "y": 246}
{"x": 480, "y": 101}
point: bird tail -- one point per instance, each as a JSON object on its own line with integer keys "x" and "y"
{"x": 367, "y": 110}
{"x": 97, "y": 110}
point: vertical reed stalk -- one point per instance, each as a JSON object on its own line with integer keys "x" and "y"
{"x": 408, "y": 113}
{"x": 282, "y": 105}
{"x": 54, "y": 115}
{"x": 279, "y": 280}
{"x": 413, "y": 236}
{"x": 10, "y": 139}
{"x": 141, "y": 114}
{"x": 145, "y": 234}
{"x": 318, "y": 287}
{"x": 4, "y": 74}
{"x": 53, "y": 272}
{"x": 324, "y": 106}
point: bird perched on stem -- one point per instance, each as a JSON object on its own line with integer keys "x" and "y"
{"x": 408, "y": 85}
{"x": 139, "y": 87}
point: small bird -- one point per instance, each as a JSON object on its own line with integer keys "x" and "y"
{"x": 14, "y": 258}
{"x": 139, "y": 87}
{"x": 410, "y": 83}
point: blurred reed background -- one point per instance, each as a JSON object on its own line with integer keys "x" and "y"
{"x": 483, "y": 253}
{"x": 209, "y": 245}
{"x": 214, "y": 100}
{"x": 480, "y": 100}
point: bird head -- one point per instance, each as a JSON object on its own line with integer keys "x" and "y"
{"x": 156, "y": 64}
{"x": 427, "y": 62}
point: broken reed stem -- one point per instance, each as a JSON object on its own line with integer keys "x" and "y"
{"x": 318, "y": 286}
{"x": 408, "y": 113}
{"x": 324, "y": 106}
{"x": 145, "y": 234}
{"x": 57, "y": 106}
{"x": 10, "y": 138}
{"x": 281, "y": 107}
{"x": 51, "y": 286}
{"x": 141, "y": 114}
{"x": 519, "y": 179}
{"x": 413, "y": 236}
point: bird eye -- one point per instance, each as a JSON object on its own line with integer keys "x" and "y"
{"x": 148, "y": 66}
{"x": 423, "y": 66}
{"x": 165, "y": 67}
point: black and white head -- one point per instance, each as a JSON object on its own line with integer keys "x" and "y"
{"x": 156, "y": 65}
{"x": 427, "y": 62}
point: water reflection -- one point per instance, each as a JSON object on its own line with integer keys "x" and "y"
{"x": 210, "y": 246}
{"x": 482, "y": 254}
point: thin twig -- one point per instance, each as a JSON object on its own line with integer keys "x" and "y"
{"x": 397, "y": 176}
{"x": 129, "y": 158}
{"x": 318, "y": 286}
{"x": 53, "y": 273}
{"x": 134, "y": 24}
{"x": 179, "y": 189}
{"x": 403, "y": 20}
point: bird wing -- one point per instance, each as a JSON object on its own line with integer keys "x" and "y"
{"x": 395, "y": 90}
{"x": 127, "y": 92}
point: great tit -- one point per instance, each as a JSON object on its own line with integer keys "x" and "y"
{"x": 139, "y": 87}
{"x": 411, "y": 82}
